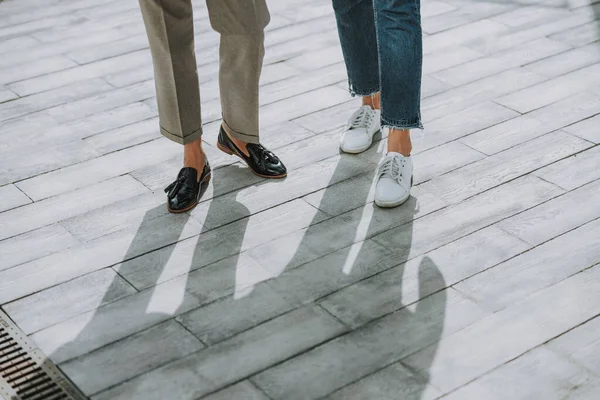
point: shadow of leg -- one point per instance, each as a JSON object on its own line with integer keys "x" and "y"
{"x": 77, "y": 351}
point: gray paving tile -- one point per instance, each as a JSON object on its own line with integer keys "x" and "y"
{"x": 103, "y": 252}
{"x": 511, "y": 335}
{"x": 303, "y": 104}
{"x": 302, "y": 83}
{"x": 568, "y": 111}
{"x": 410, "y": 281}
{"x": 37, "y": 50}
{"x": 487, "y": 66}
{"x": 390, "y": 383}
{"x": 292, "y": 288}
{"x": 555, "y": 89}
{"x": 505, "y": 166}
{"x": 232, "y": 360}
{"x": 36, "y": 26}
{"x": 433, "y": 8}
{"x": 6, "y": 95}
{"x": 527, "y": 16}
{"x": 218, "y": 244}
{"x": 317, "y": 59}
{"x": 507, "y": 134}
{"x": 115, "y": 321}
{"x": 556, "y": 216}
{"x": 581, "y": 344}
{"x": 463, "y": 34}
{"x": 99, "y": 169}
{"x": 566, "y": 62}
{"x": 463, "y": 16}
{"x": 126, "y": 136}
{"x": 329, "y": 118}
{"x": 245, "y": 390}
{"x": 80, "y": 73}
{"x": 22, "y": 163}
{"x": 51, "y": 306}
{"x": 42, "y": 101}
{"x": 531, "y": 30}
{"x": 108, "y": 50}
{"x": 364, "y": 351}
{"x": 229, "y": 316}
{"x": 344, "y": 196}
{"x": 117, "y": 216}
{"x": 475, "y": 93}
{"x": 12, "y": 197}
{"x": 448, "y": 58}
{"x": 111, "y": 120}
{"x": 459, "y": 220}
{"x": 574, "y": 171}
{"x": 340, "y": 232}
{"x": 130, "y": 357}
{"x": 99, "y": 103}
{"x": 579, "y": 36}
{"x": 12, "y": 44}
{"x": 45, "y": 66}
{"x": 586, "y": 129}
{"x": 251, "y": 200}
{"x": 537, "y": 374}
{"x": 52, "y": 210}
{"x": 35, "y": 244}
{"x": 472, "y": 119}
{"x": 540, "y": 267}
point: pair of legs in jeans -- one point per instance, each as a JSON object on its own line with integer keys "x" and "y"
{"x": 381, "y": 41}
{"x": 382, "y": 45}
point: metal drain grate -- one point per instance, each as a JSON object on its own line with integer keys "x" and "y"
{"x": 26, "y": 373}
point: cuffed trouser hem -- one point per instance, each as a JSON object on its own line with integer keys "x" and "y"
{"x": 244, "y": 137}
{"x": 402, "y": 124}
{"x": 354, "y": 91}
{"x": 182, "y": 139}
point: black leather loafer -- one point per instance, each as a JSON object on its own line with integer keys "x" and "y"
{"x": 185, "y": 193}
{"x": 260, "y": 160}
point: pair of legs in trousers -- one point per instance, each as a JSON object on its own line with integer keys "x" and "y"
{"x": 170, "y": 28}
{"x": 382, "y": 45}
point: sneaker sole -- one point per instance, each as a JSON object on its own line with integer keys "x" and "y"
{"x": 394, "y": 204}
{"x": 361, "y": 149}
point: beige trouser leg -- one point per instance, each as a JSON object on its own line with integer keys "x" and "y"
{"x": 241, "y": 23}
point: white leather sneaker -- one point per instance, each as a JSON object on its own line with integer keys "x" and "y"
{"x": 394, "y": 180}
{"x": 362, "y": 126}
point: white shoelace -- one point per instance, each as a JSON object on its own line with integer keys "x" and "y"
{"x": 390, "y": 168}
{"x": 362, "y": 118}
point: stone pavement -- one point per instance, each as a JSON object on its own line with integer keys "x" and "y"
{"x": 484, "y": 285}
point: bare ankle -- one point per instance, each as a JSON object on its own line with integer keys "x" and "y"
{"x": 373, "y": 101}
{"x": 239, "y": 144}
{"x": 193, "y": 155}
{"x": 399, "y": 142}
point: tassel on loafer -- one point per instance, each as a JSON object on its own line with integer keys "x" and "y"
{"x": 185, "y": 193}
{"x": 261, "y": 161}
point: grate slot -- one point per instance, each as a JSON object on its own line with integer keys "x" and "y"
{"x": 8, "y": 346}
{"x": 40, "y": 393}
{"x": 13, "y": 368}
{"x": 24, "y": 374}
{"x": 16, "y": 350}
{"x": 9, "y": 360}
{"x": 60, "y": 396}
{"x": 32, "y": 384}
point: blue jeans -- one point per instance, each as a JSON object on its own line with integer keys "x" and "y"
{"x": 382, "y": 42}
